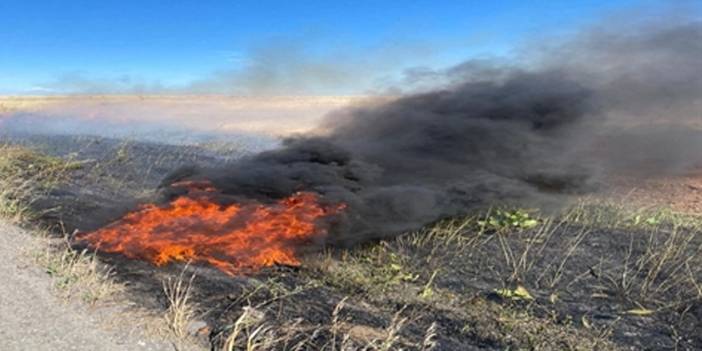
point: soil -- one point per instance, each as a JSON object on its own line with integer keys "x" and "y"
{"x": 682, "y": 193}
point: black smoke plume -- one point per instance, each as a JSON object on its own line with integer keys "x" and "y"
{"x": 606, "y": 101}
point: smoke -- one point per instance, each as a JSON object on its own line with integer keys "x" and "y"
{"x": 295, "y": 65}
{"x": 605, "y": 101}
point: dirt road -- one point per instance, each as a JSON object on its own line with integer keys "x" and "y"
{"x": 33, "y": 318}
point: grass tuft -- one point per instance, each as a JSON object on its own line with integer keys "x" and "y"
{"x": 75, "y": 273}
{"x": 180, "y": 310}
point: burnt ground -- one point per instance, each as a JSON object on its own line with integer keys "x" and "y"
{"x": 599, "y": 276}
{"x": 111, "y": 175}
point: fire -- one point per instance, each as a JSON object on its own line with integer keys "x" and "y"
{"x": 234, "y": 238}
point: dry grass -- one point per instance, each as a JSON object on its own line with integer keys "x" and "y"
{"x": 75, "y": 273}
{"x": 662, "y": 265}
{"x": 252, "y": 332}
{"x": 180, "y": 311}
{"x": 25, "y": 176}
{"x": 611, "y": 214}
{"x": 660, "y": 272}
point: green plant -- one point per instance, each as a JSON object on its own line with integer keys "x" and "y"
{"x": 502, "y": 220}
{"x": 374, "y": 269}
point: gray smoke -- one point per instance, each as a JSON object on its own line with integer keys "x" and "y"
{"x": 606, "y": 101}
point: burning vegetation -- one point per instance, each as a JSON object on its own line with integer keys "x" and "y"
{"x": 233, "y": 237}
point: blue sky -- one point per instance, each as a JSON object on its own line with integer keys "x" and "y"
{"x": 55, "y": 46}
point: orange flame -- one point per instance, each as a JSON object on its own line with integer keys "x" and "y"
{"x": 233, "y": 238}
